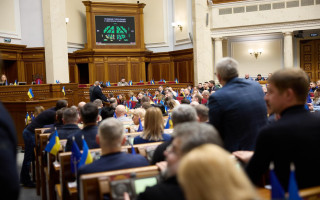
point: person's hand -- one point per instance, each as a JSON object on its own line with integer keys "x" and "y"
{"x": 126, "y": 196}
{"x": 244, "y": 156}
{"x": 162, "y": 165}
{"x": 310, "y": 106}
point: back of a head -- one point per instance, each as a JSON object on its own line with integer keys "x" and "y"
{"x": 141, "y": 112}
{"x": 194, "y": 134}
{"x": 110, "y": 132}
{"x": 96, "y": 83}
{"x": 146, "y": 105}
{"x": 185, "y": 101}
{"x": 161, "y": 107}
{"x": 81, "y": 104}
{"x": 120, "y": 110}
{"x": 70, "y": 116}
{"x": 153, "y": 124}
{"x": 61, "y": 104}
{"x": 183, "y": 113}
{"x": 59, "y": 115}
{"x": 296, "y": 79}
{"x": 209, "y": 172}
{"x": 227, "y": 68}
{"x": 107, "y": 112}
{"x": 89, "y": 113}
{"x": 144, "y": 99}
{"x": 98, "y": 103}
{"x": 202, "y": 112}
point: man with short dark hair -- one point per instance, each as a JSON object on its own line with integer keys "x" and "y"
{"x": 212, "y": 86}
{"x": 202, "y": 112}
{"x": 294, "y": 138}
{"x": 122, "y": 82}
{"x": 238, "y": 109}
{"x": 89, "y": 116}
{"x": 70, "y": 118}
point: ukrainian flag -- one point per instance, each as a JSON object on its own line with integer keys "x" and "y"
{"x": 130, "y": 82}
{"x": 30, "y": 93}
{"x": 54, "y": 144}
{"x": 176, "y": 80}
{"x": 86, "y": 157}
{"x": 15, "y": 82}
{"x": 63, "y": 91}
{"x": 140, "y": 128}
{"x": 169, "y": 123}
{"x": 27, "y": 118}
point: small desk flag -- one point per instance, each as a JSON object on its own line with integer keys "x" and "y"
{"x": 54, "y": 144}
{"x": 30, "y": 93}
{"x": 86, "y": 157}
{"x": 169, "y": 123}
{"x": 75, "y": 156}
{"x": 63, "y": 91}
{"x": 277, "y": 192}
{"x": 293, "y": 188}
{"x": 140, "y": 128}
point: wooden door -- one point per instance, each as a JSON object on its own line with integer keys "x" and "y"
{"x": 310, "y": 58}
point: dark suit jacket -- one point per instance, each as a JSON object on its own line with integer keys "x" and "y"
{"x": 295, "y": 137}
{"x": 46, "y": 117}
{"x": 89, "y": 133}
{"x": 97, "y": 94}
{"x": 9, "y": 180}
{"x": 238, "y": 111}
{"x": 66, "y": 130}
{"x": 91, "y": 91}
{"x": 168, "y": 190}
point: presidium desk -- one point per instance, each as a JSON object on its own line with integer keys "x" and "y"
{"x": 17, "y": 102}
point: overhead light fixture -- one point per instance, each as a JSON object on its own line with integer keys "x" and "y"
{"x": 67, "y": 20}
{"x": 255, "y": 53}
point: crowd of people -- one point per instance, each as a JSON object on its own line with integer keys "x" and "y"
{"x": 215, "y": 126}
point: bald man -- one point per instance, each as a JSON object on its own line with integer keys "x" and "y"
{"x": 121, "y": 112}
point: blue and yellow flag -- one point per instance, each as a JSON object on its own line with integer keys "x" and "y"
{"x": 166, "y": 109}
{"x": 130, "y": 105}
{"x": 54, "y": 144}
{"x": 75, "y": 156}
{"x": 133, "y": 151}
{"x": 164, "y": 81}
{"x": 86, "y": 157}
{"x": 63, "y": 91}
{"x": 176, "y": 80}
{"x": 32, "y": 116}
{"x": 130, "y": 82}
{"x": 27, "y": 120}
{"x": 30, "y": 93}
{"x": 140, "y": 128}
{"x": 169, "y": 123}
{"x": 15, "y": 82}
{"x": 114, "y": 115}
{"x": 6, "y": 82}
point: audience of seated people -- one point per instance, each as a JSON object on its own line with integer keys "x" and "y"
{"x": 153, "y": 128}
{"x": 187, "y": 135}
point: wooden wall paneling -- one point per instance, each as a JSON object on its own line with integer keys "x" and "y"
{"x": 28, "y": 66}
{"x": 71, "y": 72}
{"x": 99, "y": 72}
{"x": 129, "y": 71}
{"x": 165, "y": 71}
{"x": 136, "y": 72}
{"x": 310, "y": 58}
{"x": 92, "y": 73}
{"x": 76, "y": 73}
{"x": 113, "y": 72}
{"x": 317, "y": 60}
{"x": 123, "y": 72}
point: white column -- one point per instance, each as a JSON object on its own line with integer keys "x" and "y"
{"x": 55, "y": 40}
{"x": 288, "y": 50}
{"x": 202, "y": 43}
{"x": 218, "y": 51}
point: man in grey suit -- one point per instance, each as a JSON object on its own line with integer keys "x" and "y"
{"x": 238, "y": 109}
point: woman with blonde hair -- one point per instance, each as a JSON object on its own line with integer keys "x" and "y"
{"x": 153, "y": 128}
{"x": 138, "y": 113}
{"x": 209, "y": 172}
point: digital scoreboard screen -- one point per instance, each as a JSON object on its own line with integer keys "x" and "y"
{"x": 116, "y": 30}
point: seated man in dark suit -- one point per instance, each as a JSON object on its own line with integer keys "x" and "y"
{"x": 70, "y": 120}
{"x": 187, "y": 136}
{"x": 294, "y": 138}
{"x": 238, "y": 109}
{"x": 89, "y": 117}
{"x": 97, "y": 94}
{"x": 110, "y": 138}
{"x": 46, "y": 117}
